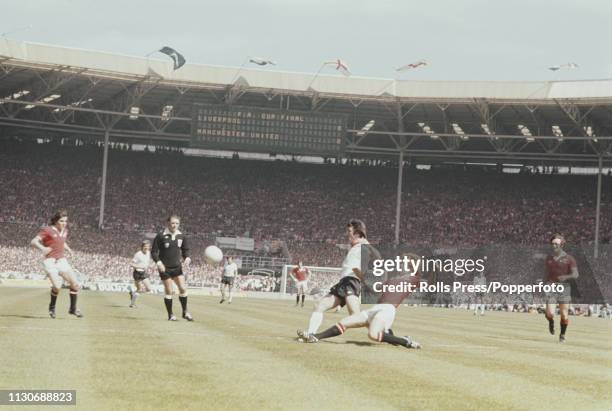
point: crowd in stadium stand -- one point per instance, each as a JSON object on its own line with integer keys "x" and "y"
{"x": 304, "y": 205}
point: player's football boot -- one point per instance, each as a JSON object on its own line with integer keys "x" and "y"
{"x": 222, "y": 300}
{"x": 312, "y": 339}
{"x": 172, "y": 318}
{"x": 187, "y": 316}
{"x": 77, "y": 313}
{"x": 551, "y": 327}
{"x": 52, "y": 312}
{"x": 561, "y": 338}
{"x": 410, "y": 343}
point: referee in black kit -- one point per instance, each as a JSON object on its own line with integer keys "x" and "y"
{"x": 170, "y": 251}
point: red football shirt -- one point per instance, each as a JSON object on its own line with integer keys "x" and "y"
{"x": 300, "y": 274}
{"x": 55, "y": 240}
{"x": 556, "y": 268}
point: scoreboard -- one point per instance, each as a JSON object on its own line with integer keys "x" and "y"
{"x": 267, "y": 130}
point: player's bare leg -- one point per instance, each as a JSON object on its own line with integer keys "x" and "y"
{"x": 56, "y": 286}
{"x": 316, "y": 318}
{"x": 134, "y": 293}
{"x": 70, "y": 278}
{"x": 550, "y": 316}
{"x": 377, "y": 332}
{"x": 146, "y": 283}
{"x": 139, "y": 286}
{"x": 302, "y": 293}
{"x": 353, "y": 321}
{"x": 180, "y": 283}
{"x": 564, "y": 311}
{"x": 353, "y": 304}
{"x": 168, "y": 298}
{"x": 222, "y": 293}
{"x": 478, "y": 305}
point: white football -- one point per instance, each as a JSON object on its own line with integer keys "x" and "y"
{"x": 213, "y": 255}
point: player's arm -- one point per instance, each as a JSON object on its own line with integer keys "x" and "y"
{"x": 368, "y": 255}
{"x": 152, "y": 264}
{"x": 236, "y": 276}
{"x": 37, "y": 243}
{"x": 134, "y": 262}
{"x": 292, "y": 276}
{"x": 357, "y": 271}
{"x": 573, "y": 273}
{"x": 185, "y": 252}
{"x": 155, "y": 254}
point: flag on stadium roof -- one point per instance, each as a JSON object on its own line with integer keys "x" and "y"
{"x": 569, "y": 66}
{"x": 176, "y": 57}
{"x": 412, "y": 66}
{"x": 261, "y": 62}
{"x": 364, "y": 130}
{"x": 341, "y": 66}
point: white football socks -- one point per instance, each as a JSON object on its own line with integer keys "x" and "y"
{"x": 316, "y": 319}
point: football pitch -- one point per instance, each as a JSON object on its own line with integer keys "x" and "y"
{"x": 245, "y": 356}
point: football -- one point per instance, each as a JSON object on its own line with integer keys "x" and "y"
{"x": 213, "y": 255}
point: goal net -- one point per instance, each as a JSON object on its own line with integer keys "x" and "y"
{"x": 320, "y": 279}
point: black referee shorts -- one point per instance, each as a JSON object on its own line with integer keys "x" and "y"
{"x": 345, "y": 287}
{"x": 171, "y": 272}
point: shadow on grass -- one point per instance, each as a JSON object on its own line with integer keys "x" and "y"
{"x": 357, "y": 343}
{"x": 505, "y": 338}
{"x": 361, "y": 343}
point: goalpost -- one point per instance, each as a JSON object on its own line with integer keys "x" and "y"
{"x": 319, "y": 281}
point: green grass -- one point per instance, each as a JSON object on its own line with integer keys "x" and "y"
{"x": 244, "y": 356}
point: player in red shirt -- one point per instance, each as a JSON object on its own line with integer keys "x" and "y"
{"x": 51, "y": 241}
{"x": 560, "y": 268}
{"x": 300, "y": 276}
{"x": 379, "y": 318}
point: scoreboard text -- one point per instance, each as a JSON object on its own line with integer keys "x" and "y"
{"x": 267, "y": 130}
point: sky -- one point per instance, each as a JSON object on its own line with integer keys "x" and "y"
{"x": 512, "y": 40}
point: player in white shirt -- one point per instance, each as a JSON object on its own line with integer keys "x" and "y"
{"x": 379, "y": 318}
{"x": 230, "y": 271}
{"x": 348, "y": 290}
{"x": 479, "y": 280}
{"x": 141, "y": 265}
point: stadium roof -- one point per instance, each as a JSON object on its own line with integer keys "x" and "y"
{"x": 56, "y": 91}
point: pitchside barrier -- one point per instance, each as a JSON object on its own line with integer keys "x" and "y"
{"x": 125, "y": 287}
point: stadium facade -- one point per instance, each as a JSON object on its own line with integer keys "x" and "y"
{"x": 57, "y": 92}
